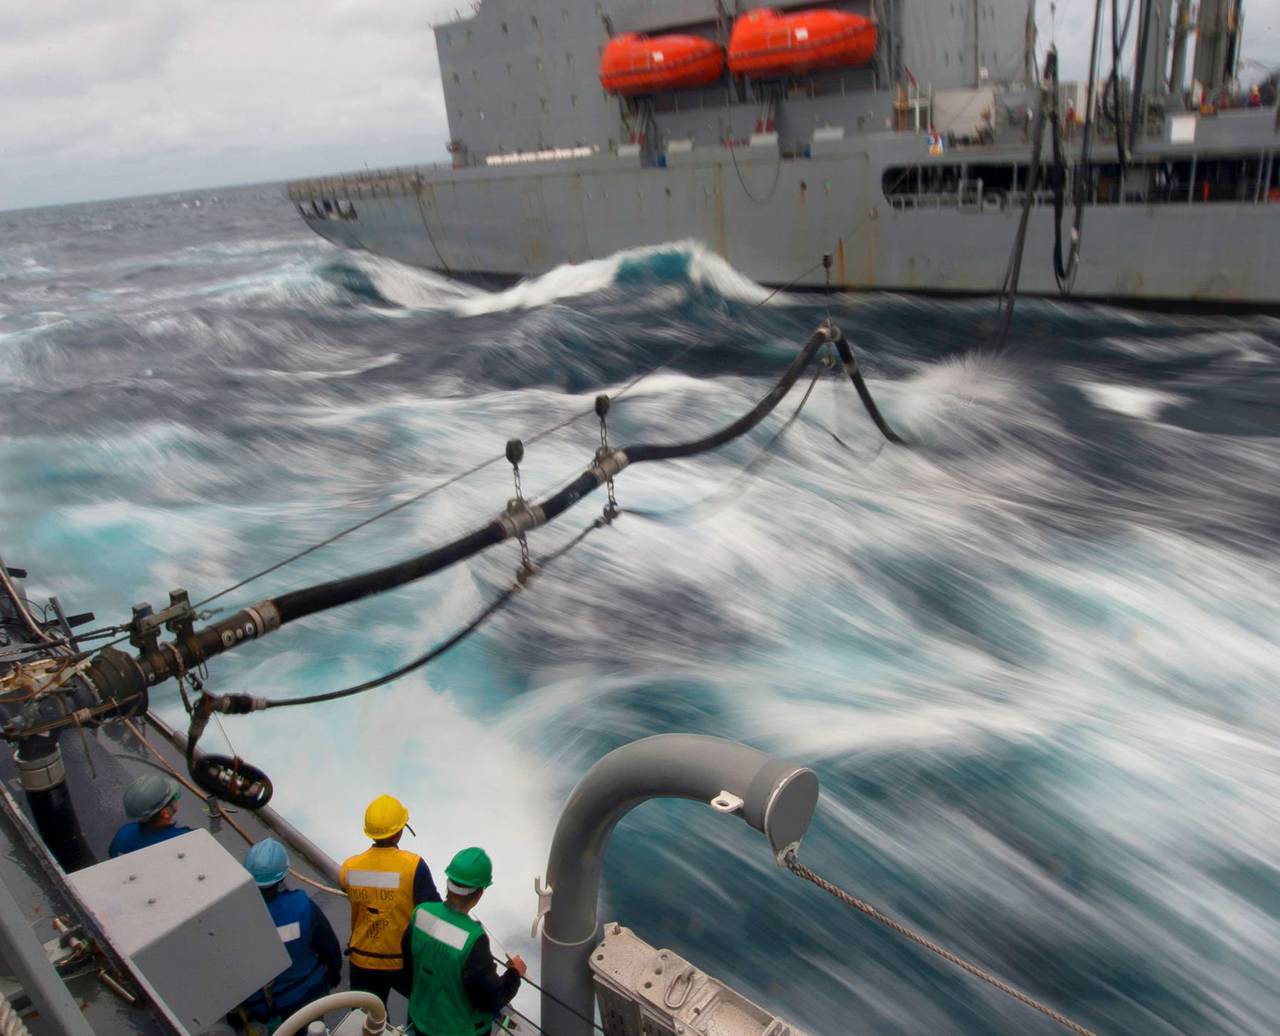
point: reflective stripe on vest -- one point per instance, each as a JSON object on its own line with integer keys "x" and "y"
{"x": 379, "y": 885}
{"x": 440, "y": 942}
{"x": 289, "y": 932}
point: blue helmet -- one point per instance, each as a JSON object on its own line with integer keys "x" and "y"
{"x": 268, "y": 862}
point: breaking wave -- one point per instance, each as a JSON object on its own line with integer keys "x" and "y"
{"x": 1032, "y": 658}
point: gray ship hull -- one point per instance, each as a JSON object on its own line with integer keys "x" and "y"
{"x": 529, "y": 219}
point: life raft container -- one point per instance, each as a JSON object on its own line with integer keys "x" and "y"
{"x": 766, "y": 44}
{"x": 634, "y": 64}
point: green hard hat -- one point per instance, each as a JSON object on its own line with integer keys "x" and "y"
{"x": 148, "y": 795}
{"x": 470, "y": 869}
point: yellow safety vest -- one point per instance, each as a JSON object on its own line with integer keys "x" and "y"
{"x": 379, "y": 885}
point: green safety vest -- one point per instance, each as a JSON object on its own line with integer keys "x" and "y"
{"x": 440, "y": 943}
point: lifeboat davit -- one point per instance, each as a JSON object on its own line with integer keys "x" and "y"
{"x": 634, "y": 64}
{"x": 766, "y": 44}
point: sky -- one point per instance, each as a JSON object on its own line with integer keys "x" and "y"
{"x": 107, "y": 98}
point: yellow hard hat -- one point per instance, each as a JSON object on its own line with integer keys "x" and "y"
{"x": 385, "y": 817}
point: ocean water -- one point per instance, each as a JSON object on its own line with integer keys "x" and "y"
{"x": 1033, "y": 658}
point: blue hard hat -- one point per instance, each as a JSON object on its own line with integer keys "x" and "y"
{"x": 268, "y": 862}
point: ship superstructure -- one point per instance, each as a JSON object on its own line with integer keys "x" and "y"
{"x": 911, "y": 169}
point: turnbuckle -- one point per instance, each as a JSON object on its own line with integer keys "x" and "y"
{"x": 602, "y": 411}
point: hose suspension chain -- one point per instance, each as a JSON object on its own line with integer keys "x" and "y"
{"x": 602, "y": 454}
{"x": 801, "y": 871}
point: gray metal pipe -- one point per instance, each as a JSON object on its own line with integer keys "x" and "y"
{"x": 40, "y": 980}
{"x": 774, "y": 796}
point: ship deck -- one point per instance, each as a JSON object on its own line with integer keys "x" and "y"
{"x": 99, "y": 766}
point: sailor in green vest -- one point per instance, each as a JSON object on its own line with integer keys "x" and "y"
{"x": 457, "y": 990}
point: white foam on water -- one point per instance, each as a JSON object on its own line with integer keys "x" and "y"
{"x": 1133, "y": 401}
{"x": 421, "y": 289}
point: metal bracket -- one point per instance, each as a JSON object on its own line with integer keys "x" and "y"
{"x": 519, "y": 517}
{"x": 544, "y": 905}
{"x": 790, "y": 849}
{"x": 726, "y": 802}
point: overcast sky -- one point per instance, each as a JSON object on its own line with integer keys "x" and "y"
{"x": 105, "y": 98}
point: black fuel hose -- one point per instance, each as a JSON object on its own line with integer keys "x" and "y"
{"x": 864, "y": 393}
{"x": 334, "y": 594}
{"x": 194, "y": 649}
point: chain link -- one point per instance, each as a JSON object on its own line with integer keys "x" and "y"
{"x": 801, "y": 871}
{"x": 602, "y": 454}
{"x": 527, "y": 568}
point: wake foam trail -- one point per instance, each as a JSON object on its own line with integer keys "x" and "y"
{"x": 682, "y": 264}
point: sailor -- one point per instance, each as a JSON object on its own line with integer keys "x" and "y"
{"x": 384, "y": 884}
{"x": 150, "y": 803}
{"x": 457, "y": 990}
{"x": 315, "y": 956}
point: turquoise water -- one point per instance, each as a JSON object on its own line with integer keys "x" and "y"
{"x": 1032, "y": 659}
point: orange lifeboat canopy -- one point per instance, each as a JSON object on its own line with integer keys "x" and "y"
{"x": 766, "y": 44}
{"x": 634, "y": 64}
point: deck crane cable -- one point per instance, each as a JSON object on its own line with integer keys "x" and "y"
{"x": 1115, "y": 113}
{"x": 797, "y": 868}
{"x": 1013, "y": 272}
{"x": 1082, "y": 183}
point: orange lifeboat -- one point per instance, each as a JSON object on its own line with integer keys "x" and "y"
{"x": 634, "y": 64}
{"x": 766, "y": 44}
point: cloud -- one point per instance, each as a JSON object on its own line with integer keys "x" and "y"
{"x": 100, "y": 100}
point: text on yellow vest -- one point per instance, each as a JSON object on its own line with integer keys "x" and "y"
{"x": 379, "y": 885}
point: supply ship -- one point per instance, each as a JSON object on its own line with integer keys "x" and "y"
{"x": 918, "y": 142}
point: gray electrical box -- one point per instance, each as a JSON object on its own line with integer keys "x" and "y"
{"x": 189, "y": 918}
{"x": 644, "y": 991}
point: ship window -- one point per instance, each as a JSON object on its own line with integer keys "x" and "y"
{"x": 456, "y": 79}
{"x": 533, "y": 20}
{"x": 543, "y": 101}
{"x": 504, "y": 27}
{"x": 573, "y": 100}
{"x": 538, "y": 62}
{"x": 482, "y": 115}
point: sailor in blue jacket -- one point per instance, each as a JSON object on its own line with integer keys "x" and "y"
{"x": 315, "y": 956}
{"x": 150, "y": 803}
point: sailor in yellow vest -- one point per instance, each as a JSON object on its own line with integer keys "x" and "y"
{"x": 456, "y": 987}
{"x": 383, "y": 884}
